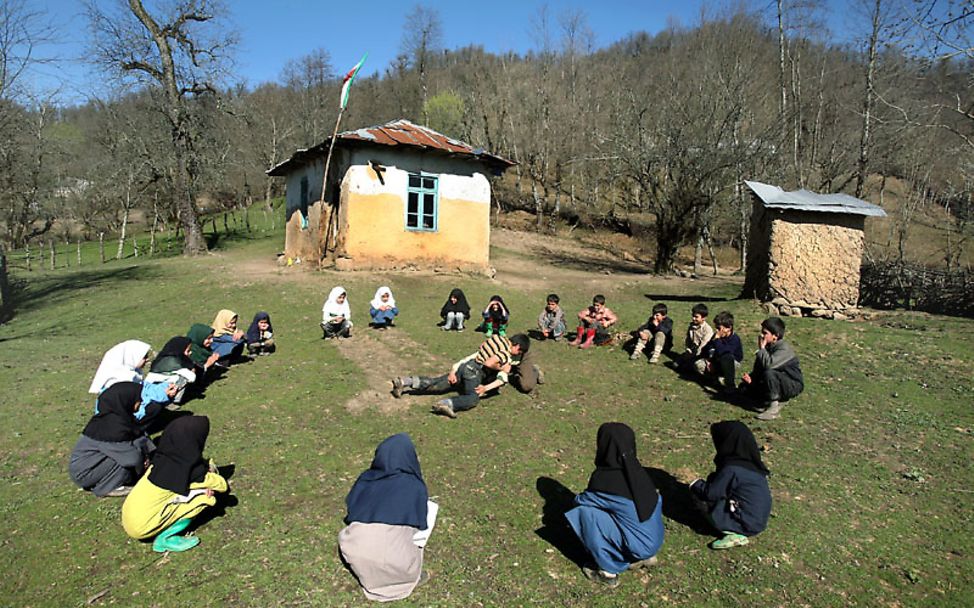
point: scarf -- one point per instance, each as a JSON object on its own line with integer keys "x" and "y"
{"x": 333, "y": 309}
{"x": 178, "y": 460}
{"x": 115, "y": 421}
{"x": 197, "y": 334}
{"x": 497, "y": 315}
{"x": 392, "y": 490}
{"x": 461, "y": 305}
{"x": 119, "y": 365}
{"x": 377, "y": 298}
{"x": 221, "y": 324}
{"x": 617, "y": 470}
{"x": 736, "y": 446}
{"x": 172, "y": 356}
{"x": 253, "y": 332}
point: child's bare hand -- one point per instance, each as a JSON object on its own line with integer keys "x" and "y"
{"x": 452, "y": 377}
{"x": 746, "y": 378}
{"x": 209, "y": 493}
{"x": 171, "y": 390}
{"x": 480, "y": 390}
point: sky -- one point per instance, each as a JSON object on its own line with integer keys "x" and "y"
{"x": 272, "y": 32}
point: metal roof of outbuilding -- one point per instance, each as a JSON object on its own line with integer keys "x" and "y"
{"x": 399, "y": 132}
{"x": 774, "y": 197}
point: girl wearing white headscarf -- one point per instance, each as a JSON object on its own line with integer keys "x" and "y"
{"x": 336, "y": 315}
{"x": 122, "y": 363}
{"x": 382, "y": 308}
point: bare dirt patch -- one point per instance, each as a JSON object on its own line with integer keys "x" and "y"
{"x": 380, "y": 356}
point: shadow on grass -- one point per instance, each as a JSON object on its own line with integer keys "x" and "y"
{"x": 224, "y": 501}
{"x": 47, "y": 290}
{"x": 674, "y": 297}
{"x": 594, "y": 264}
{"x": 554, "y": 527}
{"x": 678, "y": 503}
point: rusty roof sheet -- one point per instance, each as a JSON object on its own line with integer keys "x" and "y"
{"x": 774, "y": 197}
{"x": 399, "y": 132}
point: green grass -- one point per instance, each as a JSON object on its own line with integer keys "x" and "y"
{"x": 872, "y": 464}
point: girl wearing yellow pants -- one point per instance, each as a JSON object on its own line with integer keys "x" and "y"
{"x": 177, "y": 487}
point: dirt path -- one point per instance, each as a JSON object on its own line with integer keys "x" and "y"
{"x": 380, "y": 355}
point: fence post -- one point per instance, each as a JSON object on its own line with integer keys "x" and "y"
{"x": 5, "y": 303}
{"x": 53, "y": 253}
{"x": 79, "y": 252}
{"x": 135, "y": 246}
{"x": 101, "y": 246}
{"x": 27, "y": 256}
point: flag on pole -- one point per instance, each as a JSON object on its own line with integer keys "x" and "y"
{"x": 347, "y": 81}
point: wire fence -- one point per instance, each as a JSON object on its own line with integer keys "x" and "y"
{"x": 891, "y": 285}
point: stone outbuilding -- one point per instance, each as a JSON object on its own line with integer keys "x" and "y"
{"x": 805, "y": 251}
{"x": 397, "y": 195}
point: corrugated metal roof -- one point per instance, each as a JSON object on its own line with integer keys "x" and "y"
{"x": 774, "y": 197}
{"x": 396, "y": 133}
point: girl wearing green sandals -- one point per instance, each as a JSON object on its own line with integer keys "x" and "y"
{"x": 176, "y": 488}
{"x": 735, "y": 497}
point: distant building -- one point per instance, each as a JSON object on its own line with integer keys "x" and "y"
{"x": 397, "y": 194}
{"x": 805, "y": 250}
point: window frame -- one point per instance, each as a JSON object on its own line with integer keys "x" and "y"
{"x": 421, "y": 193}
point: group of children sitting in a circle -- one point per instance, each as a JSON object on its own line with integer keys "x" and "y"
{"x": 166, "y": 482}
{"x": 618, "y": 518}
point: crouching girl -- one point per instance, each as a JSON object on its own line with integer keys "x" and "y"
{"x": 178, "y": 485}
{"x": 619, "y": 517}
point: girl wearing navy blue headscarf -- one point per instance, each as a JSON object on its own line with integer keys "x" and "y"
{"x": 260, "y": 335}
{"x": 389, "y": 519}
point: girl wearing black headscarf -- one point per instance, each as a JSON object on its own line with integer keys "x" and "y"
{"x": 736, "y": 495}
{"x": 389, "y": 519}
{"x": 260, "y": 335}
{"x": 619, "y": 517}
{"x": 111, "y": 452}
{"x": 176, "y": 488}
{"x": 455, "y": 310}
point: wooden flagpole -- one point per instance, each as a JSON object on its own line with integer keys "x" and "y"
{"x": 330, "y": 228}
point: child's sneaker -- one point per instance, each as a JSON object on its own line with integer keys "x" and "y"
{"x": 397, "y": 386}
{"x": 730, "y": 540}
{"x": 444, "y": 408}
{"x": 635, "y": 355}
{"x": 654, "y": 358}
{"x": 644, "y": 563}
{"x": 771, "y": 412}
{"x": 539, "y": 373}
{"x": 607, "y": 579}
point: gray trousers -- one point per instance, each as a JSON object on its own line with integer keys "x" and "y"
{"x": 470, "y": 375}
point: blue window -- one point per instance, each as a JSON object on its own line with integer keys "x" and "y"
{"x": 421, "y": 202}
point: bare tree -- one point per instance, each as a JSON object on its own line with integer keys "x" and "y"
{"x": 183, "y": 51}
{"x": 421, "y": 39}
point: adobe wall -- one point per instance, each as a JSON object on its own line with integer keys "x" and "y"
{"x": 815, "y": 265}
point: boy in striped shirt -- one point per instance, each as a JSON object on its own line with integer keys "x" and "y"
{"x": 492, "y": 359}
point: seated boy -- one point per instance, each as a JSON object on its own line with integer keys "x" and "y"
{"x": 468, "y": 375}
{"x": 593, "y": 323}
{"x": 658, "y": 329}
{"x": 551, "y": 321}
{"x": 699, "y": 333}
{"x": 723, "y": 354}
{"x": 776, "y": 376}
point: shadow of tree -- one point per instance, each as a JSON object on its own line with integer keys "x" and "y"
{"x": 48, "y": 290}
{"x": 554, "y": 527}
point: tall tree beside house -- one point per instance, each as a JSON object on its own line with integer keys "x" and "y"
{"x": 181, "y": 48}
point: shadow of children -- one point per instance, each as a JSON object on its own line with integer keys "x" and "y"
{"x": 678, "y": 503}
{"x": 554, "y": 527}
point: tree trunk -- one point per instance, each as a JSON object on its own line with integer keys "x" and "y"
{"x": 5, "y": 296}
{"x": 868, "y": 98}
{"x": 121, "y": 235}
{"x": 698, "y": 256}
{"x": 27, "y": 256}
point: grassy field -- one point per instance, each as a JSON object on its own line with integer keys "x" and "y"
{"x": 872, "y": 465}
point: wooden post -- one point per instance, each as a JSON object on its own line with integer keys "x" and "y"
{"x": 79, "y": 251}
{"x": 329, "y": 232}
{"x": 135, "y": 246}
{"x": 27, "y": 256}
{"x": 226, "y": 227}
{"x": 213, "y": 223}
{"x": 5, "y": 302}
{"x": 101, "y": 246}
{"x": 53, "y": 253}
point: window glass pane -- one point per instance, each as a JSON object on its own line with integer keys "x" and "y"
{"x": 413, "y": 206}
{"x": 428, "y": 203}
{"x": 428, "y": 222}
{"x": 412, "y": 220}
{"x": 429, "y": 183}
{"x": 414, "y": 181}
